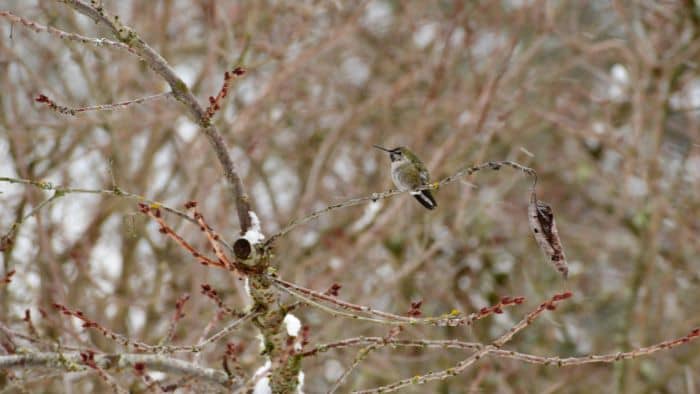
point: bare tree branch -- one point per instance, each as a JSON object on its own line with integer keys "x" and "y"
{"x": 61, "y": 191}
{"x": 102, "y": 107}
{"x": 181, "y": 92}
{"x": 72, "y": 361}
{"x": 493, "y": 165}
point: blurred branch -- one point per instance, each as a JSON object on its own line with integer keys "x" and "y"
{"x": 181, "y": 92}
{"x": 163, "y": 348}
{"x": 493, "y": 165}
{"x": 363, "y": 341}
{"x": 466, "y": 363}
{"x": 224, "y": 331}
{"x": 61, "y": 191}
{"x": 361, "y": 312}
{"x": 501, "y": 353}
{"x": 73, "y": 361}
{"x": 155, "y": 214}
{"x": 39, "y": 28}
{"x": 361, "y": 355}
{"x": 8, "y": 238}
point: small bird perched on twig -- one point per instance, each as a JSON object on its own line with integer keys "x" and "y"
{"x": 409, "y": 173}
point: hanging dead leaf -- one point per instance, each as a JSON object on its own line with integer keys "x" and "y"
{"x": 544, "y": 228}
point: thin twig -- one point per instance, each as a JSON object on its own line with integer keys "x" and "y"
{"x": 466, "y": 363}
{"x": 9, "y": 236}
{"x": 215, "y": 102}
{"x": 213, "y": 237}
{"x": 116, "y": 192}
{"x": 223, "y": 332}
{"x": 363, "y": 341}
{"x": 102, "y": 107}
{"x": 360, "y": 312}
{"x": 177, "y": 316}
{"x": 154, "y": 213}
{"x": 510, "y": 354}
{"x": 39, "y": 28}
{"x": 361, "y": 355}
{"x": 106, "y": 332}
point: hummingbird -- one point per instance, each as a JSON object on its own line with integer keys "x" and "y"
{"x": 409, "y": 173}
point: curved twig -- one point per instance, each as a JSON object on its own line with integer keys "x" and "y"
{"x": 493, "y": 165}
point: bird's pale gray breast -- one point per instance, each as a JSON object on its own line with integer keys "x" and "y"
{"x": 406, "y": 176}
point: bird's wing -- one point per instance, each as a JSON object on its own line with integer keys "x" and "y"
{"x": 424, "y": 177}
{"x": 423, "y": 171}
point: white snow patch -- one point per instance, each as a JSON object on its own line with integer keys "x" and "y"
{"x": 186, "y": 129}
{"x": 264, "y": 369}
{"x": 246, "y": 286}
{"x": 598, "y": 127}
{"x": 367, "y": 217}
{"x": 505, "y": 263}
{"x": 636, "y": 186}
{"x": 254, "y": 220}
{"x": 516, "y": 4}
{"x": 344, "y": 166}
{"x": 355, "y": 70}
{"x": 378, "y": 17}
{"x": 293, "y": 325}
{"x": 457, "y": 38}
{"x": 300, "y": 387}
{"x": 248, "y": 90}
{"x": 157, "y": 375}
{"x": 575, "y": 267}
{"x": 620, "y": 74}
{"x": 692, "y": 169}
{"x": 33, "y": 280}
{"x": 262, "y": 386}
{"x": 254, "y": 234}
{"x": 369, "y": 165}
{"x": 335, "y": 262}
{"x": 106, "y": 260}
{"x": 425, "y": 35}
{"x": 137, "y": 317}
{"x": 276, "y": 113}
{"x": 163, "y": 162}
{"x": 617, "y": 89}
{"x": 111, "y": 311}
{"x": 486, "y": 42}
{"x": 260, "y": 338}
{"x": 309, "y": 239}
{"x": 186, "y": 72}
{"x": 332, "y": 370}
{"x": 464, "y": 118}
{"x": 464, "y": 282}
{"x": 385, "y": 271}
{"x": 284, "y": 182}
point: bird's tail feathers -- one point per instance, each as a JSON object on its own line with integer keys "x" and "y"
{"x": 425, "y": 198}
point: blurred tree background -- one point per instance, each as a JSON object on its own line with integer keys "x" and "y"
{"x": 602, "y": 98}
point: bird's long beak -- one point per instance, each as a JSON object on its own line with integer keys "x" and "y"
{"x": 382, "y": 148}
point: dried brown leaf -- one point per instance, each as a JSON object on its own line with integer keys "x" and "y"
{"x": 544, "y": 228}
